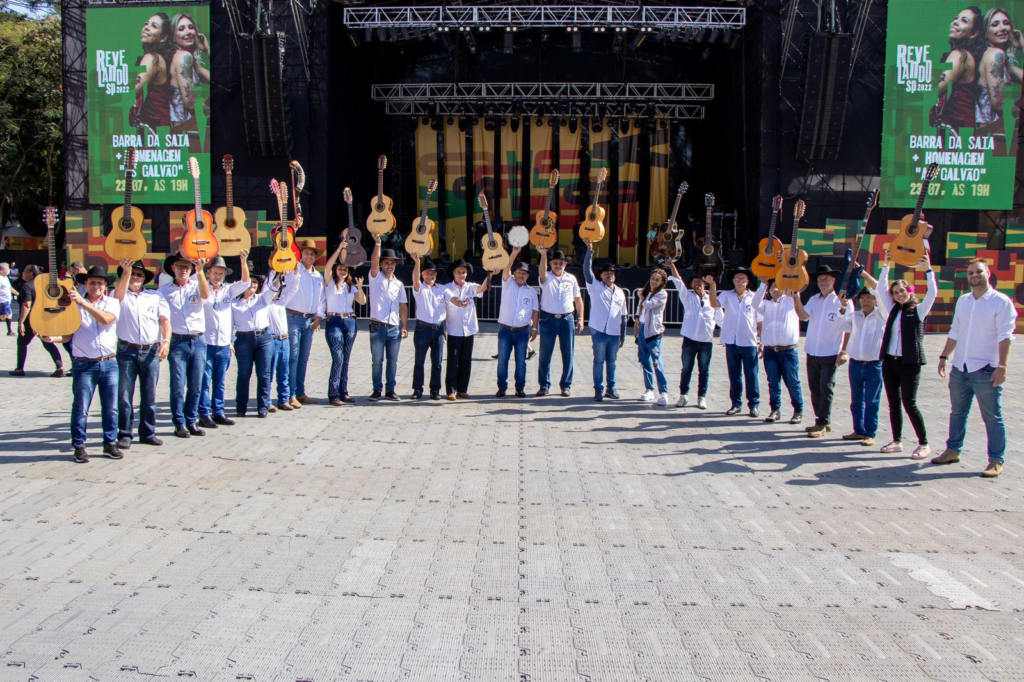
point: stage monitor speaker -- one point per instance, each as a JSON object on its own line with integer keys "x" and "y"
{"x": 823, "y": 101}
{"x": 264, "y": 107}
{"x": 278, "y": 119}
{"x": 253, "y": 113}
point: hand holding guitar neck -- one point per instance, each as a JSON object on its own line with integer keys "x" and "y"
{"x": 666, "y": 245}
{"x": 126, "y": 239}
{"x": 420, "y": 241}
{"x": 792, "y": 274}
{"x": 544, "y": 234}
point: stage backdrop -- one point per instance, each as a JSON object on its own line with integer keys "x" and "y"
{"x": 153, "y": 117}
{"x": 936, "y": 109}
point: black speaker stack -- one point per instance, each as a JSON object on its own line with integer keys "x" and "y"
{"x": 264, "y": 106}
{"x": 823, "y": 102}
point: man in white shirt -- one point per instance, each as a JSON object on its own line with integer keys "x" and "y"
{"x": 517, "y": 323}
{"x": 698, "y": 332}
{"x": 5, "y": 297}
{"x": 431, "y": 312}
{"x": 780, "y": 336}
{"x": 825, "y": 347}
{"x": 608, "y": 313}
{"x": 865, "y": 327}
{"x": 559, "y": 298}
{"x": 389, "y": 320}
{"x": 187, "y": 356}
{"x": 462, "y": 327}
{"x": 218, "y": 336}
{"x": 143, "y": 341}
{"x": 979, "y": 342}
{"x": 304, "y": 301}
{"x": 740, "y": 336}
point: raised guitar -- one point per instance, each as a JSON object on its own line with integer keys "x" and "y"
{"x": 199, "y": 240}
{"x": 495, "y": 257}
{"x": 544, "y": 235}
{"x": 298, "y": 184}
{"x": 910, "y": 244}
{"x": 230, "y": 219}
{"x": 709, "y": 259}
{"x": 286, "y": 254}
{"x": 420, "y": 241}
{"x": 126, "y": 239}
{"x": 792, "y": 275}
{"x": 355, "y": 254}
{"x": 381, "y": 220}
{"x": 769, "y": 251}
{"x": 858, "y": 240}
{"x": 53, "y": 312}
{"x": 666, "y": 246}
{"x": 592, "y": 227}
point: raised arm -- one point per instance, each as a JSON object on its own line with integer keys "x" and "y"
{"x": 375, "y": 256}
{"x": 416, "y": 274}
{"x": 360, "y": 295}
{"x": 343, "y": 246}
{"x": 485, "y": 286}
{"x": 759, "y": 294}
{"x": 798, "y": 306}
{"x": 507, "y": 272}
{"x": 933, "y": 288}
{"x": 246, "y": 275}
{"x": 882, "y": 287}
{"x": 204, "y": 286}
{"x": 126, "y": 275}
{"x": 712, "y": 292}
{"x": 542, "y": 266}
{"x": 588, "y": 258}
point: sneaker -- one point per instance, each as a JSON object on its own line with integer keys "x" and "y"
{"x": 895, "y": 446}
{"x": 796, "y": 418}
{"x": 818, "y": 431}
{"x": 520, "y": 393}
{"x": 285, "y": 407}
{"x": 375, "y": 396}
{"x": 731, "y": 411}
{"x": 81, "y": 455}
{"x": 494, "y": 357}
{"x": 598, "y": 396}
{"x": 854, "y": 436}
{"x": 224, "y": 421}
{"x": 947, "y": 457}
{"x": 663, "y": 400}
{"x": 612, "y": 394}
{"x": 392, "y": 396}
{"x": 207, "y": 423}
{"x": 543, "y": 392}
{"x": 647, "y": 397}
{"x": 530, "y": 353}
{"x": 828, "y": 427}
{"x": 773, "y": 416}
{"x": 182, "y": 432}
{"x": 348, "y": 400}
{"x": 566, "y": 393}
{"x": 992, "y": 470}
{"x": 702, "y": 403}
{"x": 500, "y": 394}
{"x": 868, "y": 441}
{"x": 416, "y": 395}
{"x": 124, "y": 443}
{"x": 112, "y": 451}
{"x": 196, "y": 431}
{"x": 154, "y": 441}
{"x": 754, "y": 413}
{"x": 59, "y": 373}
{"x": 921, "y": 452}
{"x": 683, "y": 399}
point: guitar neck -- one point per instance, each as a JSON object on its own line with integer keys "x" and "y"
{"x": 793, "y": 240}
{"x": 199, "y": 201}
{"x": 351, "y": 218}
{"x": 547, "y": 205}
{"x": 128, "y": 177}
{"x": 597, "y": 196}
{"x": 771, "y": 228}
{"x": 380, "y": 187}
{"x": 51, "y": 237}
{"x": 920, "y": 204}
{"x": 675, "y": 207}
{"x": 707, "y": 227}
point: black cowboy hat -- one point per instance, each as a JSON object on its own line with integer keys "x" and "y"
{"x": 172, "y": 259}
{"x": 608, "y": 267}
{"x": 460, "y": 263}
{"x": 138, "y": 265}
{"x": 428, "y": 265}
{"x": 864, "y": 291}
{"x": 751, "y": 277}
{"x": 557, "y": 255}
{"x": 388, "y": 254}
{"x": 826, "y": 270}
{"x": 521, "y": 265}
{"x": 94, "y": 271}
{"x": 218, "y": 262}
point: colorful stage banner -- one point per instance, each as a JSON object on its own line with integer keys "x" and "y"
{"x": 659, "y": 194}
{"x": 511, "y": 190}
{"x": 483, "y": 170}
{"x": 427, "y": 170}
{"x": 950, "y": 94}
{"x": 133, "y": 102}
{"x": 541, "y": 135}
{"x": 454, "y": 194}
{"x": 569, "y": 182}
{"x": 600, "y": 157}
{"x": 629, "y": 184}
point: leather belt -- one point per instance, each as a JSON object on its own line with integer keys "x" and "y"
{"x": 382, "y": 324}
{"x": 780, "y": 349}
{"x": 103, "y": 359}
{"x": 340, "y": 315}
{"x": 864, "y": 362}
{"x": 420, "y": 323}
{"x": 255, "y": 332}
{"x": 513, "y": 329}
{"x": 296, "y": 312}
{"x": 138, "y": 346}
{"x": 558, "y": 316}
{"x": 186, "y": 336}
{"x": 281, "y": 337}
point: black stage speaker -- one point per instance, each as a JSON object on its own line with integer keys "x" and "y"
{"x": 264, "y": 107}
{"x": 823, "y": 101}
{"x": 278, "y": 133}
{"x": 254, "y": 114}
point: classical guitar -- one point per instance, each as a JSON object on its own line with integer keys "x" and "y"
{"x": 53, "y": 313}
{"x": 381, "y": 220}
{"x": 420, "y": 241}
{"x": 126, "y": 239}
{"x": 286, "y": 254}
{"x": 592, "y": 227}
{"x": 792, "y": 275}
{"x": 858, "y": 240}
{"x": 355, "y": 254}
{"x": 230, "y": 219}
{"x": 910, "y": 244}
{"x": 769, "y": 251}
{"x": 298, "y": 184}
{"x": 495, "y": 257}
{"x": 709, "y": 259}
{"x": 199, "y": 240}
{"x": 544, "y": 235}
{"x": 667, "y": 246}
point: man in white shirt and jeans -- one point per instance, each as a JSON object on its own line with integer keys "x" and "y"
{"x": 865, "y": 327}
{"x": 739, "y": 334}
{"x": 780, "y": 336}
{"x": 187, "y": 356}
{"x": 218, "y": 336}
{"x": 517, "y": 323}
{"x": 389, "y": 320}
{"x": 979, "y": 342}
{"x": 559, "y": 297}
{"x": 431, "y": 312}
{"x": 698, "y": 332}
{"x": 304, "y": 300}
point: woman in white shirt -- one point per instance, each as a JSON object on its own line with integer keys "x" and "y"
{"x": 342, "y": 291}
{"x": 254, "y": 345}
{"x": 648, "y": 332}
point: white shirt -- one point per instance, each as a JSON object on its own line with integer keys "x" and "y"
{"x": 865, "y": 331}
{"x": 698, "y": 315}
{"x": 558, "y": 294}
{"x": 652, "y": 317}
{"x": 462, "y": 321}
{"x": 276, "y": 313}
{"x": 94, "y": 340}
{"x": 187, "y": 316}
{"x": 139, "y": 321}
{"x": 517, "y": 304}
{"x": 252, "y": 314}
{"x": 824, "y": 338}
{"x": 979, "y": 325}
{"x": 886, "y": 303}
{"x": 340, "y": 301}
{"x": 431, "y": 306}
{"x": 781, "y": 326}
{"x": 218, "y": 312}
{"x": 386, "y": 297}
{"x": 5, "y": 289}
{"x": 739, "y": 327}
{"x": 304, "y": 292}
{"x": 607, "y": 306}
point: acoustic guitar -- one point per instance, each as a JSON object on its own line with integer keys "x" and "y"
{"x": 381, "y": 220}
{"x": 792, "y": 275}
{"x": 666, "y": 246}
{"x": 544, "y": 235}
{"x": 230, "y": 219}
{"x": 909, "y": 246}
{"x": 286, "y": 254}
{"x": 126, "y": 239}
{"x": 420, "y": 241}
{"x": 199, "y": 240}
{"x": 592, "y": 227}
{"x": 769, "y": 251}
{"x": 298, "y": 184}
{"x": 709, "y": 259}
{"x": 858, "y": 240}
{"x": 53, "y": 313}
{"x": 355, "y": 254}
{"x": 495, "y": 256}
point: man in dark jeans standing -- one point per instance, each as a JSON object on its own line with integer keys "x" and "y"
{"x": 26, "y": 296}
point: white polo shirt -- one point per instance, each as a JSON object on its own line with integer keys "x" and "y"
{"x": 340, "y": 301}
{"x": 558, "y": 294}
{"x": 386, "y": 298}
{"x": 431, "y": 307}
{"x": 461, "y": 321}
{"x": 304, "y": 292}
{"x": 5, "y": 289}
{"x": 218, "y": 312}
{"x": 607, "y": 306}
{"x": 824, "y": 339}
{"x": 781, "y": 324}
{"x": 698, "y": 315}
{"x": 94, "y": 340}
{"x": 739, "y": 326}
{"x": 979, "y": 326}
{"x": 252, "y": 314}
{"x": 187, "y": 316}
{"x": 139, "y": 321}
{"x": 865, "y": 333}
{"x": 517, "y": 304}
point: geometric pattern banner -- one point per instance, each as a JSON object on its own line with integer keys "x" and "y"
{"x": 568, "y": 204}
{"x": 629, "y": 196}
{"x": 600, "y": 158}
{"x": 541, "y": 165}
{"x": 659, "y": 195}
{"x": 454, "y": 195}
{"x": 427, "y": 170}
{"x": 511, "y": 189}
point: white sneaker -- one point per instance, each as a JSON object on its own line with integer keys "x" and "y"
{"x": 895, "y": 446}
{"x": 648, "y": 396}
{"x": 683, "y": 399}
{"x": 701, "y": 403}
{"x": 663, "y": 400}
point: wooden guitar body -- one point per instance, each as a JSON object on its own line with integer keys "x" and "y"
{"x": 908, "y": 248}
{"x": 231, "y": 231}
{"x": 768, "y": 259}
{"x": 592, "y": 227}
{"x": 199, "y": 240}
{"x": 495, "y": 256}
{"x": 125, "y": 239}
{"x": 381, "y": 221}
{"x": 709, "y": 259}
{"x": 792, "y": 274}
{"x": 286, "y": 254}
{"x": 420, "y": 241}
{"x": 53, "y": 312}
{"x": 544, "y": 235}
{"x": 355, "y": 254}
{"x": 667, "y": 246}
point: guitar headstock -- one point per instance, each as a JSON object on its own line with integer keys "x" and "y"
{"x": 872, "y": 199}
{"x": 193, "y": 167}
{"x": 432, "y": 187}
{"x": 382, "y": 162}
{"x": 130, "y": 156}
{"x": 929, "y": 174}
{"x": 348, "y": 196}
{"x": 798, "y": 210}
{"x": 777, "y": 203}
{"x": 50, "y": 217}
{"x": 229, "y": 163}
{"x": 709, "y": 201}
{"x": 684, "y": 186}
{"x": 275, "y": 187}
{"x": 603, "y": 177}
{"x": 553, "y": 178}
{"x": 299, "y": 177}
{"x": 483, "y": 201}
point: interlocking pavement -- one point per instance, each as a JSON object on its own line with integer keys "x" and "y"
{"x": 532, "y": 539}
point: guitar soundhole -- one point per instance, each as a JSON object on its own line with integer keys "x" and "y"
{"x": 230, "y": 222}
{"x": 200, "y": 226}
{"x": 379, "y": 208}
{"x": 126, "y": 225}
{"x": 55, "y": 292}
{"x": 708, "y": 250}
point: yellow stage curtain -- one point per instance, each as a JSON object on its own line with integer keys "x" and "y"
{"x": 659, "y": 195}
{"x": 540, "y": 164}
{"x": 568, "y": 204}
{"x": 600, "y": 157}
{"x": 629, "y": 181}
{"x": 483, "y": 170}
{"x": 511, "y": 190}
{"x": 427, "y": 170}
{"x": 455, "y": 188}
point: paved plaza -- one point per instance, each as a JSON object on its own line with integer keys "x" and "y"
{"x": 518, "y": 539}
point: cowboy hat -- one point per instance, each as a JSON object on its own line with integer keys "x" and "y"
{"x": 826, "y": 270}
{"x": 388, "y": 254}
{"x": 428, "y": 265}
{"x": 94, "y": 271}
{"x": 460, "y": 263}
{"x": 138, "y": 265}
{"x": 311, "y": 245}
{"x": 521, "y": 265}
{"x": 751, "y": 278}
{"x": 557, "y": 255}
{"x": 218, "y": 262}
{"x": 175, "y": 258}
{"x": 607, "y": 267}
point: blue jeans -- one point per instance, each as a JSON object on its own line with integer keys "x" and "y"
{"x": 565, "y": 331}
{"x": 259, "y": 351}
{"x": 508, "y": 341}
{"x": 280, "y": 366}
{"x": 699, "y": 352}
{"x": 85, "y": 376}
{"x": 341, "y": 337}
{"x": 742, "y": 364}
{"x": 606, "y": 353}
{"x": 143, "y": 365}
{"x": 650, "y": 362}
{"x": 426, "y": 339}
{"x": 384, "y": 341}
{"x": 964, "y": 387}
{"x": 188, "y": 363}
{"x": 783, "y": 366}
{"x": 300, "y": 341}
{"x": 211, "y": 402}
{"x": 865, "y": 396}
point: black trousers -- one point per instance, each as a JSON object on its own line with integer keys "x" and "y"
{"x": 901, "y": 382}
{"x": 26, "y": 339}
{"x": 821, "y": 377}
{"x": 460, "y": 364}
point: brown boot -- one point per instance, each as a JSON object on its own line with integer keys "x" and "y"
{"x": 296, "y": 405}
{"x": 947, "y": 457}
{"x": 285, "y": 407}
{"x": 272, "y": 408}
{"x": 854, "y": 436}
{"x": 992, "y": 470}
{"x": 306, "y": 400}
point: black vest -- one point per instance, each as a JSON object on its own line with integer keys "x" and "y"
{"x": 912, "y": 335}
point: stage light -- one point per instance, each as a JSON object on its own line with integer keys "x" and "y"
{"x": 674, "y": 35}
{"x": 451, "y": 121}
{"x": 714, "y": 36}
{"x": 418, "y": 32}
{"x": 638, "y": 41}
{"x": 406, "y": 35}
{"x": 596, "y": 126}
{"x": 381, "y": 35}
{"x": 699, "y": 35}
{"x": 470, "y": 42}
{"x": 737, "y": 40}
{"x": 577, "y": 42}
{"x": 489, "y": 124}
{"x": 509, "y": 47}
{"x": 393, "y": 34}
{"x": 367, "y": 35}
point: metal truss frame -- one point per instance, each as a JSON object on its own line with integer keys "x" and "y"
{"x": 674, "y": 112}
{"x": 75, "y": 86}
{"x": 663, "y": 92}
